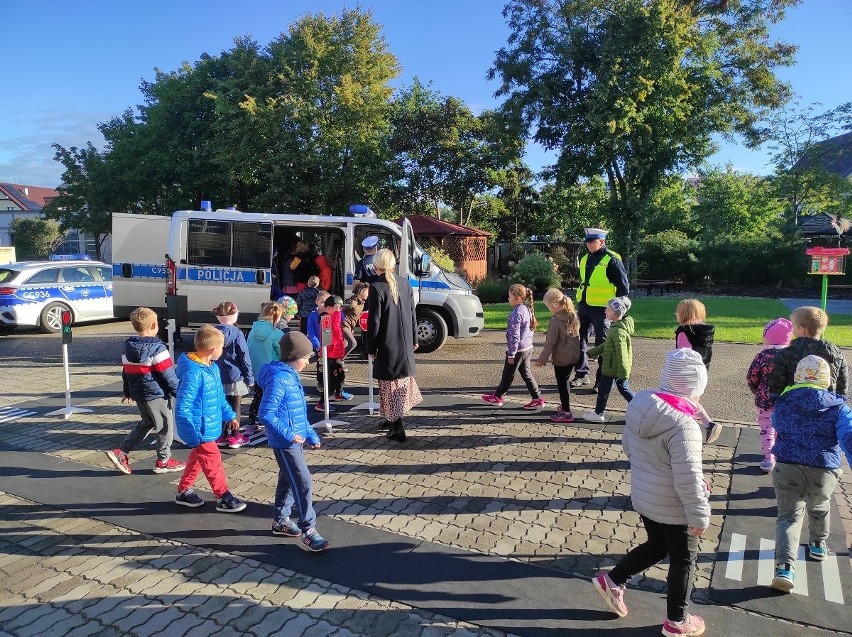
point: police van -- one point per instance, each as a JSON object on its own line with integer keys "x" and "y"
{"x": 214, "y": 256}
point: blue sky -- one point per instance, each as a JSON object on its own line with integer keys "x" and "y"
{"x": 70, "y": 65}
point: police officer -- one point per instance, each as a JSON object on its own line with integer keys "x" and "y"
{"x": 364, "y": 270}
{"x": 602, "y": 277}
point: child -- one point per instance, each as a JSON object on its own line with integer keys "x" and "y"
{"x": 313, "y": 324}
{"x": 692, "y": 332}
{"x": 776, "y": 335}
{"x": 235, "y": 368}
{"x": 351, "y": 313}
{"x": 809, "y": 323}
{"x": 663, "y": 442}
{"x": 617, "y": 352}
{"x": 307, "y": 301}
{"x": 285, "y": 416}
{"x": 332, "y": 306}
{"x": 200, "y": 410}
{"x": 289, "y": 309}
{"x": 563, "y": 344}
{"x": 813, "y": 425}
{"x": 262, "y": 345}
{"x": 519, "y": 343}
{"x": 150, "y": 381}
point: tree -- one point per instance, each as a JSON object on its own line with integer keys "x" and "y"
{"x": 35, "y": 238}
{"x": 635, "y": 89}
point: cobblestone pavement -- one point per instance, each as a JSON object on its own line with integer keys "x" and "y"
{"x": 504, "y": 483}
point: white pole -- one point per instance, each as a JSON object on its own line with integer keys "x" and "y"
{"x": 370, "y": 404}
{"x": 67, "y": 380}
{"x": 325, "y": 382}
{"x": 170, "y": 331}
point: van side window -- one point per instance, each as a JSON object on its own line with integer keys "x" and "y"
{"x": 225, "y": 243}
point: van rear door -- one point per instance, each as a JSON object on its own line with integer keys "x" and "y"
{"x": 139, "y": 245}
{"x": 226, "y": 260}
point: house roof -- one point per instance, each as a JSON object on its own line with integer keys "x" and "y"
{"x": 833, "y": 155}
{"x": 31, "y": 198}
{"x": 822, "y": 224}
{"x": 425, "y": 225}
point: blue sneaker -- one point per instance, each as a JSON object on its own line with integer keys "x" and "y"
{"x": 817, "y": 551}
{"x": 229, "y": 504}
{"x": 343, "y": 395}
{"x": 287, "y": 528}
{"x": 784, "y": 578}
{"x": 189, "y": 498}
{"x": 313, "y": 541}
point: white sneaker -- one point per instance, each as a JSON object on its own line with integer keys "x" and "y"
{"x": 591, "y": 416}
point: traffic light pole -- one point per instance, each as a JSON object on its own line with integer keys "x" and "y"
{"x": 69, "y": 408}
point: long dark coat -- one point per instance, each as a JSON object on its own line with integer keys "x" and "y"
{"x": 391, "y": 330}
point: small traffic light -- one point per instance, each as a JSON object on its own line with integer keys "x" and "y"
{"x": 66, "y": 326}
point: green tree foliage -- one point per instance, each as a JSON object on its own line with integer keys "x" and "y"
{"x": 35, "y": 238}
{"x": 669, "y": 254}
{"x": 635, "y": 89}
{"x": 568, "y": 208}
{"x": 536, "y": 270}
{"x": 441, "y": 258}
{"x": 671, "y": 206}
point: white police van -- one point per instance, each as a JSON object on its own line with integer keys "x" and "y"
{"x": 214, "y": 256}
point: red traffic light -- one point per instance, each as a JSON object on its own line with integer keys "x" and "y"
{"x": 66, "y": 318}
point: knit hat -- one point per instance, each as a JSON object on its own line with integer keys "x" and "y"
{"x": 684, "y": 373}
{"x": 778, "y": 332}
{"x": 813, "y": 370}
{"x": 333, "y": 300}
{"x": 619, "y": 305}
{"x": 294, "y": 345}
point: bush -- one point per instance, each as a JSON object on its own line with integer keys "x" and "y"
{"x": 535, "y": 270}
{"x": 669, "y": 254}
{"x": 563, "y": 262}
{"x": 762, "y": 260}
{"x": 441, "y": 258}
{"x": 493, "y": 289}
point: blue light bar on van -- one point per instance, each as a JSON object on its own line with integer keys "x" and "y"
{"x": 361, "y": 210}
{"x": 206, "y": 206}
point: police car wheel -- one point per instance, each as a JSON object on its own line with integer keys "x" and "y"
{"x": 431, "y": 331}
{"x": 50, "y": 320}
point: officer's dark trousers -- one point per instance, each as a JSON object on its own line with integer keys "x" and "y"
{"x": 595, "y": 317}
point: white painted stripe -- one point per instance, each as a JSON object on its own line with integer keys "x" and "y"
{"x": 766, "y": 562}
{"x": 736, "y": 555}
{"x": 801, "y": 581}
{"x": 831, "y": 580}
{"x": 8, "y": 414}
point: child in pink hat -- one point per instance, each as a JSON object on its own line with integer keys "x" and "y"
{"x": 776, "y": 335}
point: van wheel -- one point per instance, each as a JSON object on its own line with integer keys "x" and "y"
{"x": 431, "y": 331}
{"x": 50, "y": 320}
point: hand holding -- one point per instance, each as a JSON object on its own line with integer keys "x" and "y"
{"x": 510, "y": 360}
{"x": 298, "y": 439}
{"x": 316, "y": 446}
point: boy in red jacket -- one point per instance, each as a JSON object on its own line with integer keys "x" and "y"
{"x": 333, "y": 307}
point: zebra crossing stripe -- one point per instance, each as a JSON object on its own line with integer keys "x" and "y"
{"x": 766, "y": 562}
{"x": 831, "y": 580}
{"x": 8, "y": 414}
{"x": 736, "y": 557}
{"x": 801, "y": 572}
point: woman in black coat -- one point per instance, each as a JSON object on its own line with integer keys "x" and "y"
{"x": 391, "y": 340}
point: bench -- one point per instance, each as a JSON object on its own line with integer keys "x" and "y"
{"x": 661, "y": 285}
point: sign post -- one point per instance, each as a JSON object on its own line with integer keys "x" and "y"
{"x": 370, "y": 404}
{"x": 827, "y": 262}
{"x": 69, "y": 409}
{"x": 325, "y": 341}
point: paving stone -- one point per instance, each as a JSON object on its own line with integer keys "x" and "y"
{"x": 43, "y": 625}
{"x": 296, "y": 626}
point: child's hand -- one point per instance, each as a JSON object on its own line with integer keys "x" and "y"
{"x": 298, "y": 439}
{"x": 126, "y": 400}
{"x": 234, "y": 424}
{"x": 510, "y": 360}
{"x": 695, "y": 531}
{"x": 316, "y": 446}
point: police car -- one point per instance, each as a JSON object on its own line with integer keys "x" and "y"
{"x": 35, "y": 293}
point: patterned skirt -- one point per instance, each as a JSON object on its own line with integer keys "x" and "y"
{"x": 398, "y": 396}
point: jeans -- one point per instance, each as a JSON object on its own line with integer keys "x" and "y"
{"x": 605, "y": 386}
{"x": 563, "y": 373}
{"x": 522, "y": 365}
{"x": 157, "y": 417}
{"x": 596, "y": 317}
{"x": 205, "y": 458}
{"x": 294, "y": 489}
{"x": 664, "y": 540}
{"x": 797, "y": 488}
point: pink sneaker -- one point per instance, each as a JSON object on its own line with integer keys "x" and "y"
{"x": 493, "y": 399}
{"x": 535, "y": 403}
{"x": 613, "y": 595}
{"x": 691, "y": 626}
{"x": 236, "y": 441}
{"x": 222, "y": 440}
{"x": 169, "y": 466}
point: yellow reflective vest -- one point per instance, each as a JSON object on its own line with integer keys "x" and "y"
{"x": 598, "y": 288}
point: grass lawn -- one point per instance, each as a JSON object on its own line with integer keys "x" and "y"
{"x": 737, "y": 319}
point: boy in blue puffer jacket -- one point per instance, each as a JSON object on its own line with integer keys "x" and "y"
{"x": 200, "y": 410}
{"x": 284, "y": 414}
{"x": 812, "y": 425}
{"x": 149, "y": 381}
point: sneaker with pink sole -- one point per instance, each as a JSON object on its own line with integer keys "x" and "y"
{"x": 493, "y": 399}
{"x": 236, "y": 441}
{"x": 562, "y": 417}
{"x": 535, "y": 403}
{"x": 691, "y": 626}
{"x": 612, "y": 594}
